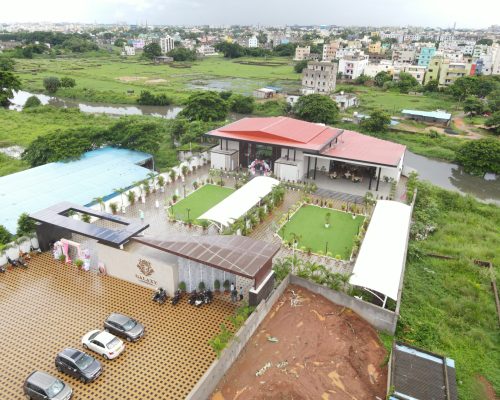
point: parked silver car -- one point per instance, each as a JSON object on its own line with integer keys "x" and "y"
{"x": 123, "y": 326}
{"x": 42, "y": 386}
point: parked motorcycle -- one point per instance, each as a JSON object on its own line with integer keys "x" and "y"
{"x": 177, "y": 297}
{"x": 17, "y": 263}
{"x": 208, "y": 296}
{"x": 193, "y": 297}
{"x": 160, "y": 296}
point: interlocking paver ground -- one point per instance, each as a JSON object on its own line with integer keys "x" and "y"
{"x": 50, "y": 306}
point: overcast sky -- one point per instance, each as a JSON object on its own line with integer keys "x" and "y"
{"x": 440, "y": 13}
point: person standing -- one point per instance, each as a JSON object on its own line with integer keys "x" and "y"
{"x": 141, "y": 215}
{"x": 241, "y": 293}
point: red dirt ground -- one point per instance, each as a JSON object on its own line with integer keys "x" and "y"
{"x": 326, "y": 352}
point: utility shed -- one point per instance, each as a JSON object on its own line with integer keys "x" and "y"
{"x": 416, "y": 374}
{"x": 437, "y": 117}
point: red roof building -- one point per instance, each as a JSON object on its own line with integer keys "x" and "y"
{"x": 296, "y": 150}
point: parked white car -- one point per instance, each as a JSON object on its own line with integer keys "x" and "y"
{"x": 103, "y": 343}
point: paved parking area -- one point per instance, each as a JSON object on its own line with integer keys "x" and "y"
{"x": 50, "y": 306}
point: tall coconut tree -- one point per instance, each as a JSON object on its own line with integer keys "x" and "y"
{"x": 122, "y": 191}
{"x": 100, "y": 201}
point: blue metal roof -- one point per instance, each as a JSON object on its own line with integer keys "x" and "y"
{"x": 96, "y": 174}
{"x": 430, "y": 114}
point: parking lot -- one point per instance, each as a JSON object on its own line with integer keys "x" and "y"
{"x": 50, "y": 306}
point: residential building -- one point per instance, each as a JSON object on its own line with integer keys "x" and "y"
{"x": 319, "y": 77}
{"x": 128, "y": 51}
{"x": 446, "y": 72}
{"x": 425, "y": 55}
{"x": 417, "y": 71}
{"x": 404, "y": 56}
{"x": 375, "y": 48}
{"x": 330, "y": 51}
{"x": 302, "y": 52}
{"x": 376, "y": 58}
{"x": 206, "y": 50}
{"x": 345, "y": 100}
{"x": 353, "y": 66}
{"x": 253, "y": 42}
{"x": 481, "y": 50}
{"x": 166, "y": 43}
{"x": 373, "y": 69}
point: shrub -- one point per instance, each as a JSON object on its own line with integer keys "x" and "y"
{"x": 5, "y": 235}
{"x": 182, "y": 286}
{"x": 51, "y": 84}
{"x": 217, "y": 284}
{"x": 32, "y": 101}
{"x": 241, "y": 104}
{"x": 226, "y": 284}
{"x": 201, "y": 286}
{"x": 68, "y": 82}
{"x": 78, "y": 263}
{"x": 113, "y": 207}
{"x": 25, "y": 225}
{"x": 131, "y": 197}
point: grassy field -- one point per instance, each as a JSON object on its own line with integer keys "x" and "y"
{"x": 199, "y": 202}
{"x": 447, "y": 305}
{"x": 309, "y": 224}
{"x": 393, "y": 102}
{"x": 110, "y": 79}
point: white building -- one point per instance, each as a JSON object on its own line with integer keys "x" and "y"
{"x": 384, "y": 66}
{"x": 345, "y": 100}
{"x": 166, "y": 44}
{"x": 206, "y": 50}
{"x": 417, "y": 71}
{"x": 330, "y": 51}
{"x": 352, "y": 67}
{"x": 128, "y": 51}
{"x": 253, "y": 42}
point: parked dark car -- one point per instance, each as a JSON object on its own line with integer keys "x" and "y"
{"x": 125, "y": 327}
{"x": 40, "y": 385}
{"x": 78, "y": 364}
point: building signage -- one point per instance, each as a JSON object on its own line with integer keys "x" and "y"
{"x": 146, "y": 270}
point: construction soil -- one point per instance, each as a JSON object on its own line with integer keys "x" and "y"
{"x": 323, "y": 351}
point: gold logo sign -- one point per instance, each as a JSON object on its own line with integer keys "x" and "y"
{"x": 145, "y": 267}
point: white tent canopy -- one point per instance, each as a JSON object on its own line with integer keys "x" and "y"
{"x": 381, "y": 259}
{"x": 239, "y": 202}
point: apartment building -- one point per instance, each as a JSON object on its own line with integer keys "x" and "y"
{"x": 253, "y": 42}
{"x": 373, "y": 69}
{"x": 319, "y": 77}
{"x": 166, "y": 43}
{"x": 417, "y": 71}
{"x": 302, "y": 52}
{"x": 425, "y": 55}
{"x": 353, "y": 66}
{"x": 446, "y": 72}
{"x": 206, "y": 50}
{"x": 330, "y": 51}
{"x": 404, "y": 56}
{"x": 375, "y": 48}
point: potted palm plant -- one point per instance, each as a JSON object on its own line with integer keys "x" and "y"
{"x": 113, "y": 207}
{"x": 131, "y": 197}
{"x": 182, "y": 287}
{"x": 217, "y": 285}
{"x": 226, "y": 285}
{"x": 161, "y": 183}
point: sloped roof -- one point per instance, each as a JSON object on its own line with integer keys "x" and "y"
{"x": 429, "y": 114}
{"x": 281, "y": 131}
{"x": 358, "y": 147}
{"x": 235, "y": 254}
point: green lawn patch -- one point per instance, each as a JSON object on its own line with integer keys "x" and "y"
{"x": 309, "y": 223}
{"x": 199, "y": 202}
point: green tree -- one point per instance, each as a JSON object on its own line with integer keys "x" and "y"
{"x": 119, "y": 42}
{"x": 205, "y": 106}
{"x": 182, "y": 54}
{"x": 494, "y": 100}
{"x": 178, "y": 128}
{"x": 463, "y": 87}
{"x": 149, "y": 99}
{"x": 488, "y": 42}
{"x": 151, "y": 50}
{"x": 225, "y": 94}
{"x": 299, "y": 67}
{"x": 316, "y": 108}
{"x": 284, "y": 50}
{"x": 406, "y": 82}
{"x": 5, "y": 235}
{"x": 8, "y": 82}
{"x": 32, "y": 101}
{"x": 493, "y": 123}
{"x": 241, "y": 104}
{"x": 480, "y": 156}
{"x": 431, "y": 86}
{"x": 379, "y": 121}
{"x": 362, "y": 79}
{"x": 51, "y": 84}
{"x": 230, "y": 50}
{"x": 25, "y": 225}
{"x": 381, "y": 78}
{"x": 262, "y": 37}
{"x": 67, "y": 82}
{"x": 474, "y": 106}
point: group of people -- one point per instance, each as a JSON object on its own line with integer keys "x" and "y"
{"x": 234, "y": 293}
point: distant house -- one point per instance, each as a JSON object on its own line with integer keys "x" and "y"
{"x": 128, "y": 51}
{"x": 345, "y": 100}
{"x": 206, "y": 50}
{"x": 319, "y": 77}
{"x": 437, "y": 117}
{"x": 264, "y": 93}
{"x": 302, "y": 52}
{"x": 163, "y": 60}
{"x": 253, "y": 42}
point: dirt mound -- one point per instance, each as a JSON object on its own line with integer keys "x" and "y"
{"x": 322, "y": 351}
{"x": 131, "y": 78}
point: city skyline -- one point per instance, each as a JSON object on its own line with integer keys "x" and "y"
{"x": 426, "y": 13}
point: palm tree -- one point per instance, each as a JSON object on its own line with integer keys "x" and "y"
{"x": 139, "y": 185}
{"x": 100, "y": 201}
{"x": 122, "y": 192}
{"x": 152, "y": 177}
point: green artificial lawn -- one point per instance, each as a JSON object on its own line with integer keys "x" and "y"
{"x": 200, "y": 201}
{"x": 309, "y": 223}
